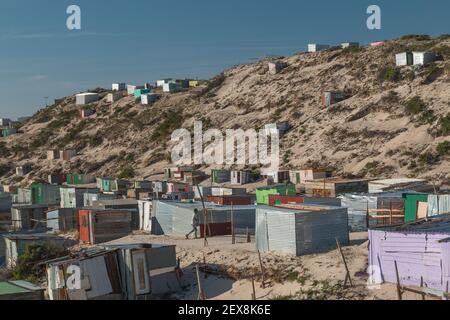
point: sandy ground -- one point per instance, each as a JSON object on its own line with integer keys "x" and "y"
{"x": 230, "y": 269}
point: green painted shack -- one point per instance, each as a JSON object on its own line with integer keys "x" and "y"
{"x": 263, "y": 193}
{"x": 6, "y": 132}
{"x": 411, "y": 204}
{"x": 112, "y": 185}
{"x": 45, "y": 194}
{"x": 78, "y": 179}
{"x": 139, "y": 92}
{"x": 220, "y": 176}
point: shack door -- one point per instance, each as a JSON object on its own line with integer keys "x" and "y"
{"x": 140, "y": 273}
{"x": 84, "y": 226}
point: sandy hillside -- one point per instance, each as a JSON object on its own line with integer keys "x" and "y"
{"x": 395, "y": 122}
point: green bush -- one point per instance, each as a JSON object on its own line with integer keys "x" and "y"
{"x": 41, "y": 139}
{"x": 444, "y": 125}
{"x": 126, "y": 173}
{"x": 27, "y": 267}
{"x": 389, "y": 73}
{"x": 73, "y": 134}
{"x": 171, "y": 121}
{"x": 415, "y": 106}
{"x": 443, "y": 148}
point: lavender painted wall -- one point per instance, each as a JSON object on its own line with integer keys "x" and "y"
{"x": 418, "y": 254}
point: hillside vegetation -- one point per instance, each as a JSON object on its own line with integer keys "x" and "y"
{"x": 396, "y": 122}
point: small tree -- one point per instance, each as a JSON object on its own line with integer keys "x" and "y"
{"x": 28, "y": 268}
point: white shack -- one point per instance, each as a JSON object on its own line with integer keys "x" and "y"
{"x": 86, "y": 98}
{"x": 276, "y": 67}
{"x": 147, "y": 99}
{"x": 423, "y": 58}
{"x": 345, "y": 45}
{"x": 404, "y": 59}
{"x": 314, "y": 47}
{"x": 119, "y": 86}
{"x": 113, "y": 97}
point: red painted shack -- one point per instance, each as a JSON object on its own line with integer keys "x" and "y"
{"x": 235, "y": 200}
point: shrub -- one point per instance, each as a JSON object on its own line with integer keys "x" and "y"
{"x": 27, "y": 267}
{"x": 389, "y": 73}
{"x": 444, "y": 126}
{"x": 126, "y": 173}
{"x": 443, "y": 148}
{"x": 41, "y": 139}
{"x": 73, "y": 133}
{"x": 415, "y": 106}
{"x": 4, "y": 169}
{"x": 172, "y": 120}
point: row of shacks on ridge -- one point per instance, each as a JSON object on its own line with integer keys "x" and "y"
{"x": 148, "y": 93}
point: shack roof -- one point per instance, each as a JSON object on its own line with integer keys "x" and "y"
{"x": 14, "y": 287}
{"x": 437, "y": 224}
{"x": 208, "y": 205}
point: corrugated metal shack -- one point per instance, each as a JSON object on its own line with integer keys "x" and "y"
{"x": 56, "y": 179}
{"x": 147, "y": 271}
{"x": 79, "y": 179}
{"x": 220, "y": 176}
{"x": 112, "y": 185}
{"x": 242, "y": 177}
{"x": 23, "y": 196}
{"x": 27, "y": 217}
{"x": 314, "y": 47}
{"x": 100, "y": 276}
{"x": 99, "y": 226}
{"x": 387, "y": 185}
{"x": 277, "y": 67}
{"x": 5, "y": 201}
{"x": 86, "y": 98}
{"x": 421, "y": 250}
{"x": 263, "y": 193}
{"x": 117, "y": 272}
{"x": 300, "y": 229}
{"x": 360, "y": 206}
{"x": 45, "y": 194}
{"x": 175, "y": 218}
{"x": 330, "y": 98}
{"x": 335, "y": 187}
{"x": 90, "y": 197}
{"x": 218, "y": 191}
{"x": 404, "y": 59}
{"x": 62, "y": 220}
{"x": 73, "y": 197}
{"x": 130, "y": 205}
{"x": 232, "y": 200}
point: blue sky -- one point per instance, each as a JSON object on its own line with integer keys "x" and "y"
{"x": 138, "y": 41}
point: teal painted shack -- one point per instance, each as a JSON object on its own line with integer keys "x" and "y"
{"x": 263, "y": 193}
{"x": 139, "y": 92}
{"x": 412, "y": 203}
{"x": 6, "y": 132}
